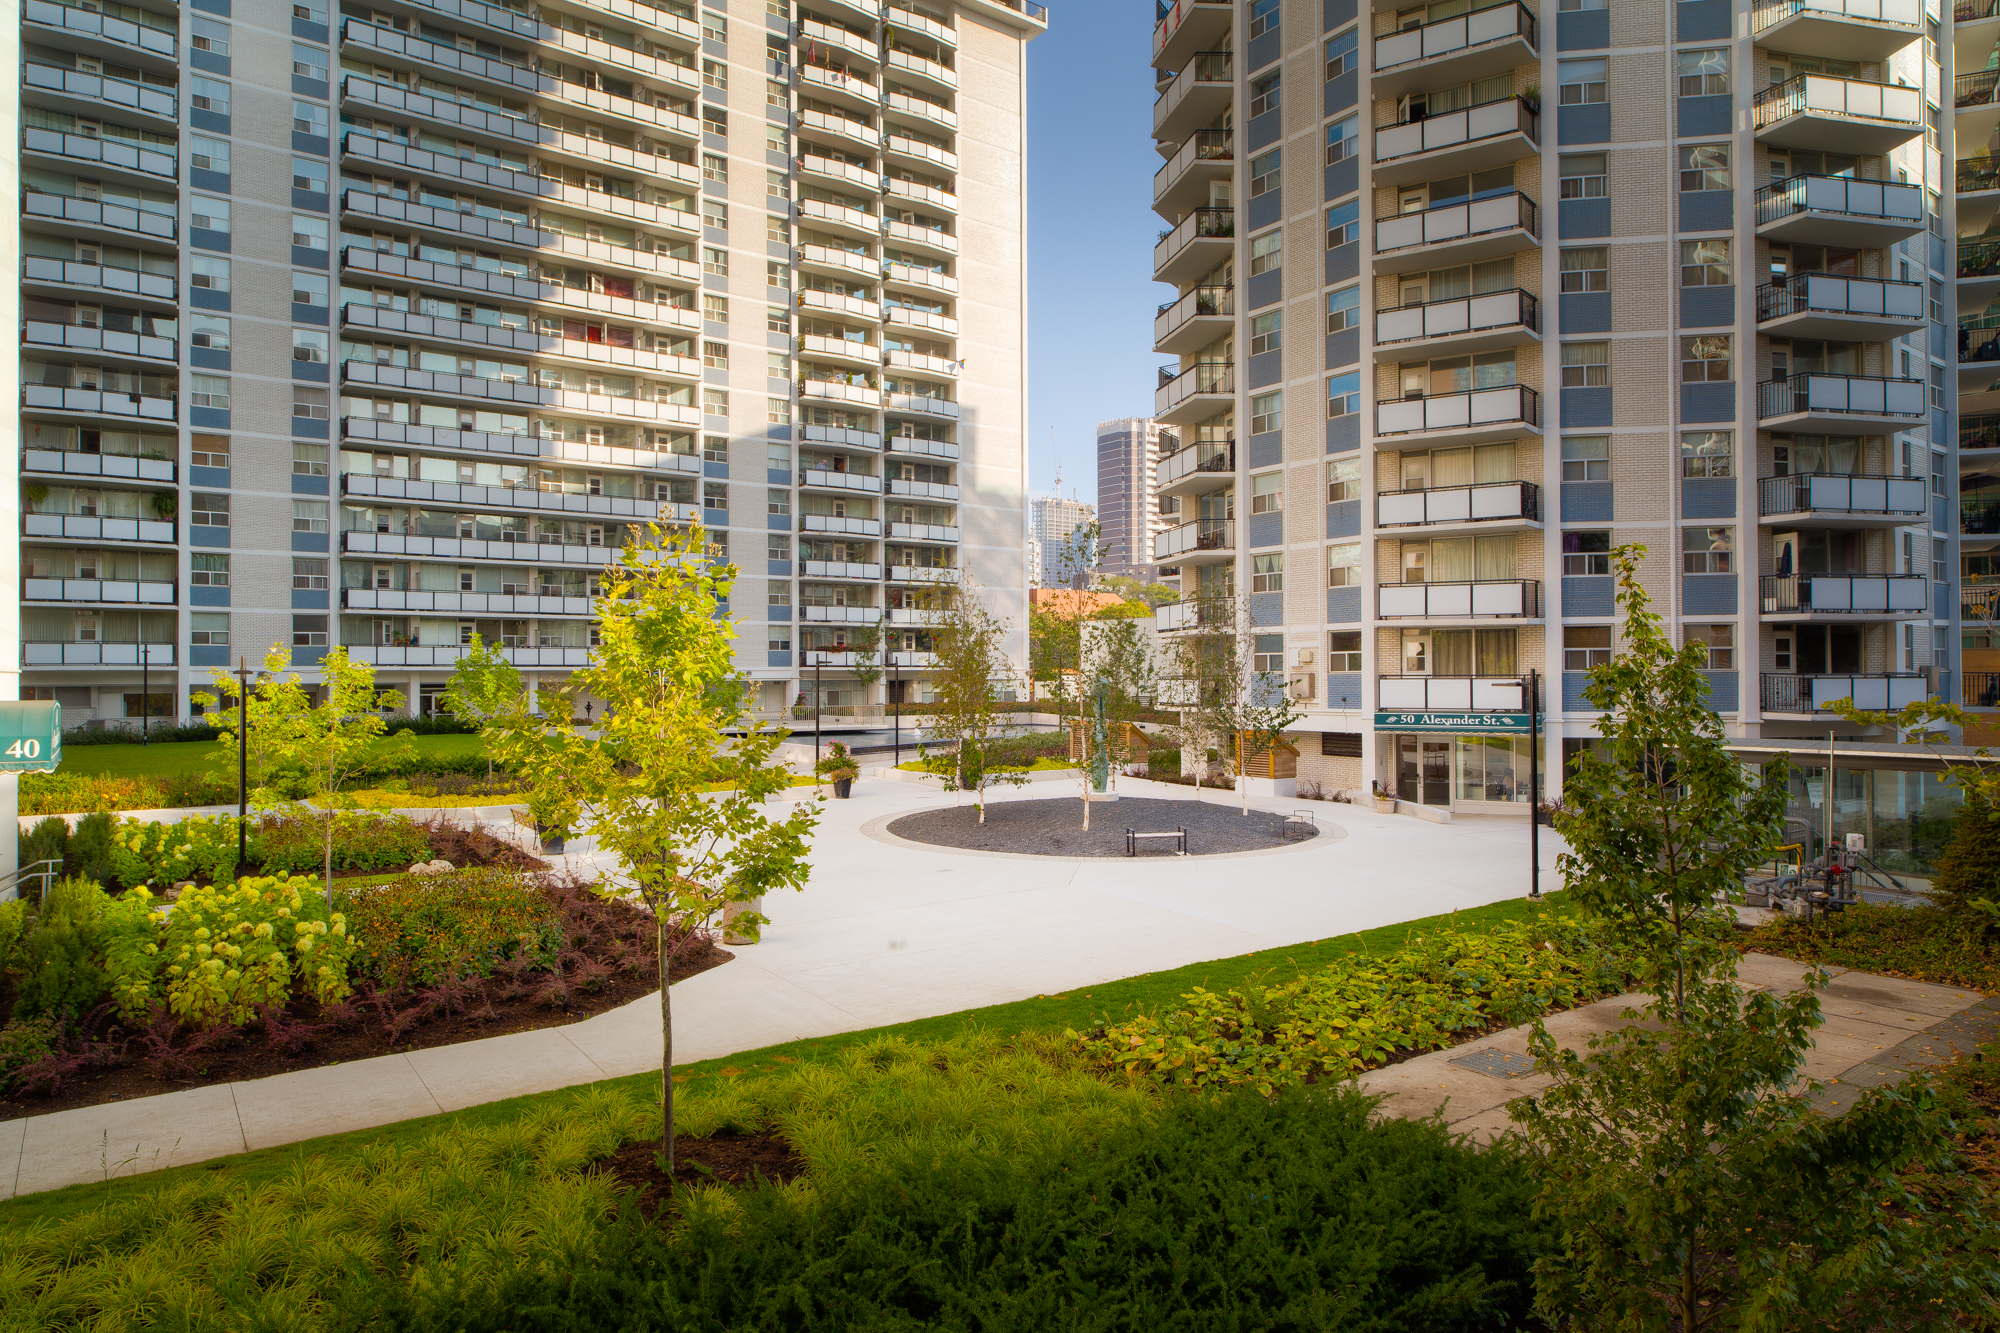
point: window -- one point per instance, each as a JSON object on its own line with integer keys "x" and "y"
{"x": 308, "y": 574}
{"x": 209, "y": 391}
{"x": 1343, "y": 480}
{"x": 1343, "y": 647}
{"x": 1267, "y": 252}
{"x": 1581, "y": 176}
{"x": 210, "y": 331}
{"x": 1586, "y": 553}
{"x": 1704, "y": 166}
{"x": 715, "y": 448}
{"x": 1586, "y": 365}
{"x": 210, "y": 36}
{"x": 1586, "y": 646}
{"x": 1937, "y": 387}
{"x": 205, "y": 154}
{"x": 1704, "y": 73}
{"x": 778, "y": 592}
{"x": 308, "y": 118}
{"x": 208, "y": 95}
{"x": 208, "y": 571}
{"x": 777, "y": 319}
{"x": 715, "y": 402}
{"x": 1343, "y": 224}
{"x": 1705, "y": 264}
{"x": 1343, "y": 139}
{"x": 714, "y": 74}
{"x": 208, "y": 510}
{"x": 208, "y": 629}
{"x": 1267, "y": 493}
{"x": 777, "y": 502}
{"x": 208, "y": 214}
{"x": 715, "y": 168}
{"x": 714, "y": 120}
{"x": 309, "y": 515}
{"x": 1263, "y": 17}
{"x": 1586, "y": 268}
{"x": 308, "y": 175}
{"x": 1939, "y": 553}
{"x": 1707, "y": 550}
{"x": 309, "y": 631}
{"x": 715, "y": 496}
{"x": 308, "y": 460}
{"x": 1267, "y": 412}
{"x": 309, "y": 402}
{"x": 715, "y": 309}
{"x": 308, "y": 288}
{"x": 1579, "y": 82}
{"x": 309, "y": 345}
{"x": 308, "y": 62}
{"x": 778, "y": 411}
{"x": 1341, "y": 54}
{"x": 1264, "y": 173}
{"x": 1266, "y": 94}
{"x": 1343, "y": 309}
{"x": 715, "y": 213}
{"x": 1719, "y": 640}
{"x": 1573, "y": 6}
{"x": 210, "y": 451}
{"x": 1343, "y": 394}
{"x": 777, "y": 185}
{"x": 714, "y": 26}
{"x": 778, "y": 365}
{"x": 1704, "y": 357}
{"x": 210, "y": 273}
{"x": 1267, "y": 652}
{"x": 1707, "y": 453}
{"x": 1267, "y": 573}
{"x": 1267, "y": 332}
{"x": 1586, "y": 458}
{"x": 308, "y": 233}
{"x": 715, "y": 355}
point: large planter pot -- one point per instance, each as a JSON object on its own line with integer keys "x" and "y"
{"x": 1385, "y": 805}
{"x": 842, "y": 788}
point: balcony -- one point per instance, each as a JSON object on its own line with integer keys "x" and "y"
{"x": 1194, "y": 394}
{"x": 1204, "y": 541}
{"x": 840, "y": 569}
{"x": 126, "y": 467}
{"x": 1194, "y": 613}
{"x": 1859, "y": 30}
{"x": 1981, "y": 431}
{"x": 824, "y": 81}
{"x": 923, "y": 490}
{"x": 1825, "y": 500}
{"x": 1982, "y": 689}
{"x": 922, "y": 574}
{"x": 1840, "y": 210}
{"x": 1805, "y": 695}
{"x": 936, "y": 238}
{"x": 1194, "y": 468}
{"x": 819, "y": 35}
{"x": 127, "y": 282}
{"x": 1821, "y": 112}
{"x": 848, "y": 351}
{"x": 922, "y": 448}
{"x": 97, "y": 590}
{"x": 837, "y": 391}
{"x": 826, "y": 479}
{"x": 96, "y": 654}
{"x": 944, "y": 408}
{"x": 97, "y": 402}
{"x": 1843, "y": 596}
{"x": 1977, "y": 175}
{"x": 1195, "y": 96}
{"x": 101, "y": 33}
{"x": 1194, "y": 321}
{"x": 1454, "y": 50}
{"x": 522, "y": 551}
{"x": 1494, "y": 506}
{"x": 841, "y": 615}
{"x": 82, "y": 150}
{"x": 44, "y": 334}
{"x": 842, "y": 437}
{"x": 462, "y": 603}
{"x": 527, "y": 497}
{"x": 95, "y": 217}
{"x": 1200, "y": 241}
{"x": 919, "y": 108}
{"x": 445, "y": 655}
{"x": 1488, "y": 135}
{"x": 1458, "y": 326}
{"x": 833, "y": 303}
{"x": 80, "y": 91}
{"x": 910, "y": 20}
{"x": 1450, "y": 234}
{"x": 1477, "y": 694}
{"x": 1978, "y": 516}
{"x": 858, "y": 527}
{"x": 91, "y": 528}
{"x": 942, "y": 533}
{"x": 1183, "y": 182}
{"x": 1978, "y": 356}
{"x": 1978, "y": 274}
{"x": 1840, "y": 403}
{"x": 1476, "y": 417}
{"x": 1505, "y": 599}
{"x": 1827, "y": 305}
{"x": 925, "y": 74}
{"x": 1184, "y": 27}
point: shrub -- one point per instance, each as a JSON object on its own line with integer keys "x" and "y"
{"x": 1922, "y": 943}
{"x": 150, "y": 852}
{"x": 130, "y": 944}
{"x": 48, "y": 840}
{"x": 68, "y": 793}
{"x": 163, "y": 732}
{"x": 185, "y": 789}
{"x": 362, "y": 840}
{"x": 13, "y": 920}
{"x": 420, "y": 930}
{"x": 90, "y": 846}
{"x": 24, "y": 1042}
{"x": 228, "y": 949}
{"x": 59, "y": 964}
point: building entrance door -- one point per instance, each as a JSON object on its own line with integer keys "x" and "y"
{"x": 1423, "y": 770}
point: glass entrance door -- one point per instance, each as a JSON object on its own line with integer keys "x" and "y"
{"x": 1423, "y": 770}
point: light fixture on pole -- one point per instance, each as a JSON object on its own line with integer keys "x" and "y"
{"x": 1534, "y": 786}
{"x": 243, "y": 762}
{"x": 145, "y": 694}
{"x": 819, "y": 704}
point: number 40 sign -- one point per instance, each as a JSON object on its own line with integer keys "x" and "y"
{"x": 30, "y": 736}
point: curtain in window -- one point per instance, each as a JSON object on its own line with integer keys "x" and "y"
{"x": 1452, "y": 560}
{"x": 1451, "y": 652}
{"x": 1496, "y": 653}
{"x": 1493, "y": 558}
{"x": 1493, "y": 462}
{"x": 1451, "y": 467}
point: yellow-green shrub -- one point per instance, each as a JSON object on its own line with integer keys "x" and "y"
{"x": 132, "y": 931}
{"x": 229, "y": 948}
{"x": 148, "y": 852}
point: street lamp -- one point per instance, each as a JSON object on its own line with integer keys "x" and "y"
{"x": 896, "y": 708}
{"x": 145, "y": 693}
{"x": 1534, "y": 786}
{"x": 819, "y": 703}
{"x": 243, "y": 764}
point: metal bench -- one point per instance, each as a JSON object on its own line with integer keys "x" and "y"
{"x": 1133, "y": 838}
{"x": 1298, "y": 825}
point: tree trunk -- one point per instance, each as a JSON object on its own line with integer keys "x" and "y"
{"x": 329, "y": 853}
{"x": 666, "y": 1051}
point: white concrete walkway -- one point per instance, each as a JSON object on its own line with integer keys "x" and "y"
{"x": 885, "y": 932}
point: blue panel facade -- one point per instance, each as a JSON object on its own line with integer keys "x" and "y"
{"x": 1708, "y": 402}
{"x": 1707, "y": 307}
{"x": 1267, "y": 608}
{"x": 1588, "y": 595}
{"x": 1583, "y": 30}
{"x": 1584, "y": 124}
{"x": 1708, "y": 497}
{"x": 1701, "y": 21}
{"x": 1343, "y": 689}
{"x": 1586, "y": 502}
{"x": 1577, "y": 218}
{"x": 1267, "y": 529}
{"x": 1573, "y": 685}
{"x": 1266, "y": 368}
{"x": 1265, "y": 450}
{"x": 1585, "y": 312}
{"x": 1722, "y": 691}
{"x": 1343, "y": 606}
{"x": 1343, "y": 519}
{"x": 1703, "y": 115}
{"x": 1265, "y": 289}
{"x": 1708, "y": 594}
{"x": 1708, "y": 210}
{"x": 1343, "y": 348}
{"x": 1343, "y": 433}
{"x": 1586, "y": 407}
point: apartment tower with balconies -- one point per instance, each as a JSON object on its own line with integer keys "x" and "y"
{"x": 383, "y": 326}
{"x": 1127, "y": 451}
{"x": 1450, "y": 321}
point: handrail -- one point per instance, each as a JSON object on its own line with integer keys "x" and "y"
{"x": 1849, "y": 195}
{"x": 1834, "y": 293}
{"x": 1794, "y": 97}
{"x": 11, "y": 882}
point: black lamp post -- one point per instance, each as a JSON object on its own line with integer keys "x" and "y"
{"x": 242, "y": 764}
{"x": 896, "y": 708}
{"x": 1534, "y": 787}
{"x": 145, "y": 693}
{"x": 819, "y": 704}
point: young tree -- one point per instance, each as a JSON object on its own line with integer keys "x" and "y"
{"x": 484, "y": 687}
{"x": 865, "y": 642}
{"x": 1118, "y": 678}
{"x": 676, "y": 727}
{"x": 330, "y": 742}
{"x": 1692, "y": 1189}
{"x": 1056, "y": 624}
{"x": 1194, "y": 677}
{"x": 1230, "y": 705}
{"x": 966, "y": 645}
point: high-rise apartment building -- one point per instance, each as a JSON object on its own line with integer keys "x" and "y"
{"x": 1127, "y": 450}
{"x": 1976, "y": 96}
{"x": 1452, "y": 322}
{"x": 382, "y": 326}
{"x": 1053, "y": 521}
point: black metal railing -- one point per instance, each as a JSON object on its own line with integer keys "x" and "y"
{"x": 1890, "y": 201}
{"x": 1839, "y": 294}
{"x": 1797, "y": 694}
{"x": 1978, "y": 259}
{"x": 1979, "y": 432}
{"x": 1842, "y": 493}
{"x": 1982, "y": 689}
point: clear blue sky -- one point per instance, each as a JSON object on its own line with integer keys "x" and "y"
{"x": 1090, "y": 232}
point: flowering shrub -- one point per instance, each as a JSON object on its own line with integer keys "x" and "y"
{"x": 130, "y": 938}
{"x": 423, "y": 929}
{"x": 362, "y": 840}
{"x": 153, "y": 853}
{"x": 1357, "y": 1013}
{"x": 229, "y": 948}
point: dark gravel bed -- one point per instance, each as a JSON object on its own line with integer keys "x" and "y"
{"x": 1055, "y": 827}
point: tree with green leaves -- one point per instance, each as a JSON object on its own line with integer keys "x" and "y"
{"x": 676, "y": 782}
{"x": 484, "y": 687}
{"x": 1119, "y": 678}
{"x": 1154, "y": 595}
{"x": 1226, "y": 702}
{"x": 1691, "y": 1186}
{"x": 865, "y": 642}
{"x": 331, "y": 739}
{"x": 967, "y": 644}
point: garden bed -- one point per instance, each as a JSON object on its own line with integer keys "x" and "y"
{"x": 1054, "y": 827}
{"x": 1917, "y": 943}
{"x": 727, "y": 1157}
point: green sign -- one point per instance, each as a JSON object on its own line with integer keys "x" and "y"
{"x": 30, "y": 736}
{"x": 1459, "y": 724}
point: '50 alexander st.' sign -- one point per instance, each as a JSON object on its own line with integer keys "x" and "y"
{"x": 1461, "y": 724}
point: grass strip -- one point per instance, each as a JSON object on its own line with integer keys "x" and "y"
{"x": 172, "y": 758}
{"x": 1104, "y": 1002}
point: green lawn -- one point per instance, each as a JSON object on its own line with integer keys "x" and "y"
{"x": 1079, "y": 1009}
{"x": 159, "y": 761}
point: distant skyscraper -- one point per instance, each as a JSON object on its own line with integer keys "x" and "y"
{"x": 1054, "y": 521}
{"x": 1127, "y": 449}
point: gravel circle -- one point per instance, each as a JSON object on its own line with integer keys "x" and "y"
{"x": 1055, "y": 827}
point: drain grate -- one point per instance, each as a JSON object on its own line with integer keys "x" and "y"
{"x": 1498, "y": 1064}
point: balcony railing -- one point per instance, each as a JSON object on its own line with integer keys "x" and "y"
{"x": 1459, "y": 315}
{"x": 1202, "y": 224}
{"x": 1210, "y": 67}
{"x": 1979, "y": 432}
{"x": 1480, "y": 694}
{"x": 1206, "y": 534}
{"x": 1979, "y": 342}
{"x": 95, "y": 654}
{"x": 1834, "y": 294}
{"x": 1844, "y": 196}
{"x": 1817, "y": 694}
{"x": 1202, "y": 302}
{"x": 1841, "y": 395}
{"x": 1484, "y": 503}
{"x": 1193, "y": 613}
{"x": 1457, "y": 222}
{"x": 1200, "y": 457}
{"x": 1201, "y": 146}
{"x": 1982, "y": 689}
{"x": 1978, "y": 259}
{"x": 98, "y": 590}
{"x": 1460, "y": 411}
{"x": 1501, "y": 598}
{"x": 1846, "y": 99}
{"x": 1909, "y": 13}
{"x": 1970, "y": 11}
{"x": 1204, "y": 377}
{"x": 1448, "y": 36}
{"x": 1979, "y": 598}
{"x": 1844, "y": 594}
{"x": 1979, "y": 515}
{"x": 1825, "y": 493}
{"x": 1976, "y": 174}
{"x": 1974, "y": 89}
{"x": 1489, "y": 120}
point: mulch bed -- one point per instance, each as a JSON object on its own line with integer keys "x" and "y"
{"x": 1054, "y": 827}
{"x": 729, "y": 1157}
